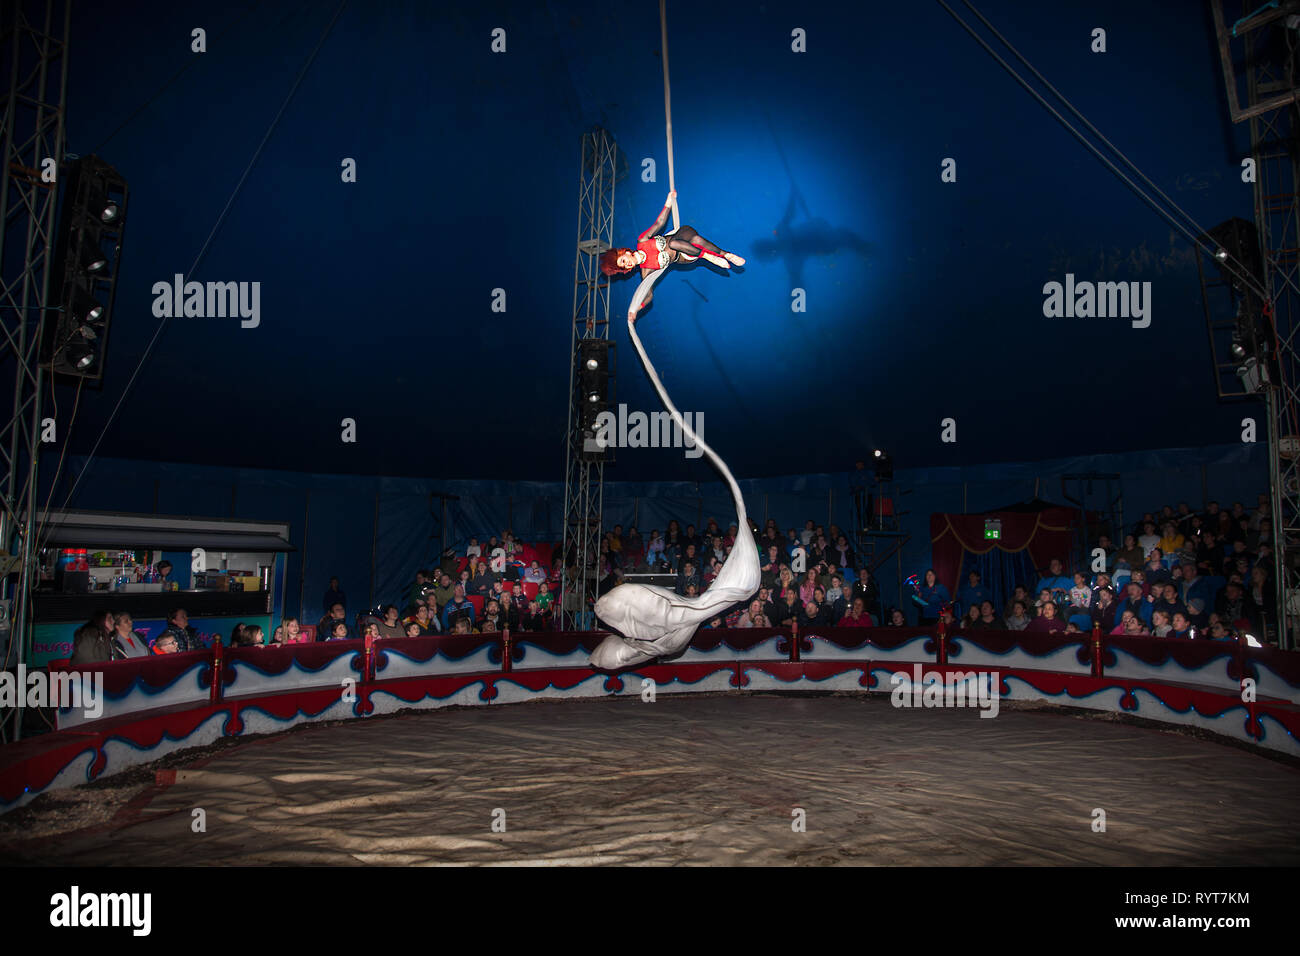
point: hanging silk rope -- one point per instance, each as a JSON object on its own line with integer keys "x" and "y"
{"x": 668, "y": 106}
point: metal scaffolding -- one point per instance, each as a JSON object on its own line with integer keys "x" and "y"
{"x": 33, "y": 44}
{"x": 1267, "y": 39}
{"x": 584, "y": 475}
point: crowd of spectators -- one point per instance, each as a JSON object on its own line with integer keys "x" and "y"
{"x": 1176, "y": 573}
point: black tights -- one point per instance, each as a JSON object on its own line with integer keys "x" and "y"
{"x": 689, "y": 242}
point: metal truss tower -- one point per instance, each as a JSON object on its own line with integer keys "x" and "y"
{"x": 585, "y": 470}
{"x": 33, "y": 45}
{"x": 1267, "y": 38}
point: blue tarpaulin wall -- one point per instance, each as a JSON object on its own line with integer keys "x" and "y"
{"x": 373, "y": 533}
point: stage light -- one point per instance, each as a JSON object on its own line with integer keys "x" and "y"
{"x": 592, "y": 365}
{"x": 93, "y": 261}
{"x": 83, "y": 281}
{"x": 1237, "y": 351}
{"x": 878, "y": 453}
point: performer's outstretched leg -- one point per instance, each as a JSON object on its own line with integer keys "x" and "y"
{"x": 689, "y": 242}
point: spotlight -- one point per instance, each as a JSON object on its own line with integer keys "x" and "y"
{"x": 79, "y": 355}
{"x": 1237, "y": 351}
{"x": 878, "y": 453}
{"x": 83, "y": 279}
{"x": 592, "y": 365}
{"x": 93, "y": 261}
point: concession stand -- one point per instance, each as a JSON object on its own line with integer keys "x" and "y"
{"x": 223, "y": 573}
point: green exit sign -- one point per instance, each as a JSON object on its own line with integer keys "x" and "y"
{"x": 992, "y": 529}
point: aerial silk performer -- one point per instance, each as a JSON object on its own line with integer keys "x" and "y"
{"x": 649, "y": 621}
{"x": 655, "y": 252}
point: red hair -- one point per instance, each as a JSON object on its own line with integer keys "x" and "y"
{"x": 609, "y": 262}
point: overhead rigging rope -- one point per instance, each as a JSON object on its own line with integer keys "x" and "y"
{"x": 1229, "y": 264}
{"x": 668, "y": 105}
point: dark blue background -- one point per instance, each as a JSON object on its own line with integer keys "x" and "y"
{"x": 924, "y": 298}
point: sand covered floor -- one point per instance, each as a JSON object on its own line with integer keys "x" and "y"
{"x": 696, "y": 780}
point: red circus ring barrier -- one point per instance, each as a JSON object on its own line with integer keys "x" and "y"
{"x": 157, "y": 705}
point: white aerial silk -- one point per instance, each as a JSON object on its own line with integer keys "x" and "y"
{"x": 656, "y": 622}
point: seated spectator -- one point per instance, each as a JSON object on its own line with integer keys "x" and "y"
{"x": 325, "y": 628}
{"x": 480, "y": 583}
{"x": 857, "y": 616}
{"x": 1182, "y": 626}
{"x": 463, "y": 626}
{"x": 1017, "y": 619}
{"x": 1057, "y": 583}
{"x": 457, "y": 608}
{"x": 473, "y": 550}
{"x": 1154, "y": 571}
{"x": 235, "y": 632}
{"x": 422, "y": 620}
{"x": 544, "y": 597}
{"x": 338, "y": 631}
{"x": 897, "y": 618}
{"x": 688, "y": 578}
{"x": 813, "y": 615}
{"x": 1102, "y": 609}
{"x": 843, "y": 554}
{"x": 1048, "y": 621}
{"x": 1148, "y": 539}
{"x": 770, "y": 569}
{"x": 1134, "y": 602}
{"x": 442, "y": 593}
{"x": 1107, "y": 552}
{"x": 187, "y": 639}
{"x": 1133, "y": 627}
{"x": 93, "y": 645}
{"x": 970, "y": 620}
{"x": 752, "y": 614}
{"x": 391, "y": 623}
{"x": 289, "y": 631}
{"x": 1165, "y": 598}
{"x": 249, "y": 636}
{"x": 464, "y": 579}
{"x": 532, "y": 619}
{"x": 1220, "y": 632}
{"x": 535, "y": 574}
{"x": 1021, "y": 595}
{"x": 1132, "y": 555}
{"x": 165, "y": 643}
{"x": 413, "y": 629}
{"x": 415, "y": 593}
{"x": 787, "y": 609}
{"x": 1122, "y": 625}
{"x": 1160, "y": 626}
{"x": 1172, "y": 540}
{"x": 1081, "y": 593}
{"x": 988, "y": 619}
{"x": 509, "y": 612}
{"x": 655, "y": 551}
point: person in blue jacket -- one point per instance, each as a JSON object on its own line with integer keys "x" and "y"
{"x": 456, "y": 608}
{"x": 1056, "y": 581}
{"x": 1135, "y": 602}
{"x": 973, "y": 594}
{"x": 934, "y": 594}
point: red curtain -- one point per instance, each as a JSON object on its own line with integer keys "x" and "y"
{"x": 1046, "y": 534}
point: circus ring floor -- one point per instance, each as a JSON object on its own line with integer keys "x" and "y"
{"x": 692, "y": 779}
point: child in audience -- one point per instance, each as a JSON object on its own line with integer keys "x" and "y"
{"x": 1080, "y": 594}
{"x": 655, "y": 553}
